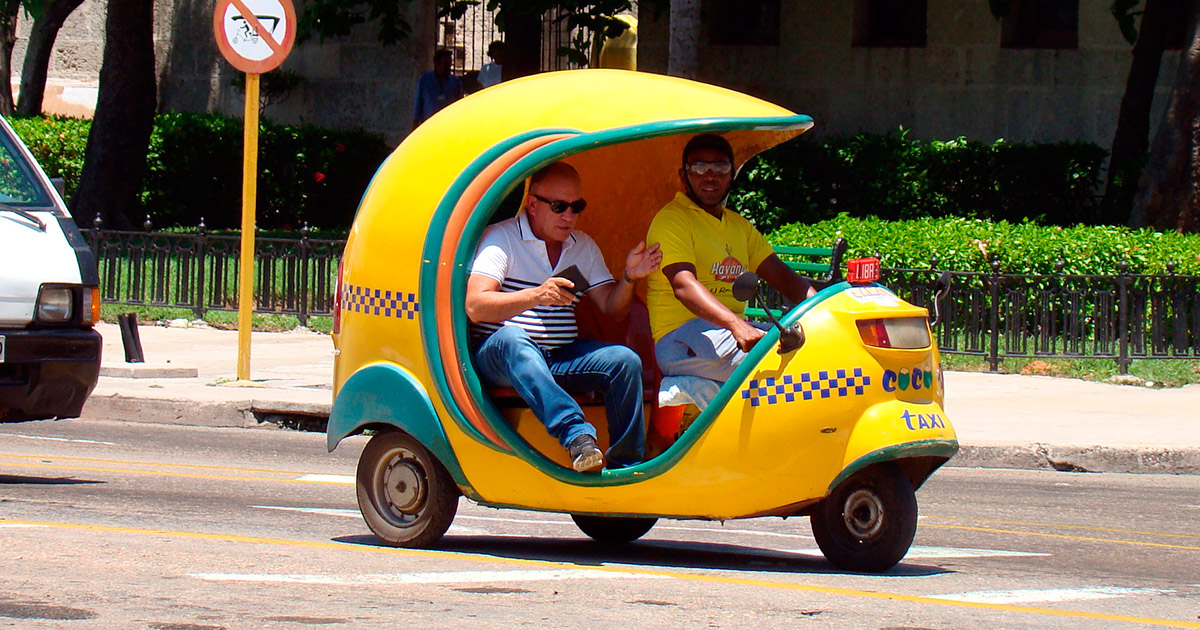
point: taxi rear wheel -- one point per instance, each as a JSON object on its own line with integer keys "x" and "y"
{"x": 405, "y": 495}
{"x": 614, "y": 529}
{"x": 868, "y": 522}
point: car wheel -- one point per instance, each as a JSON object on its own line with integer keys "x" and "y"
{"x": 614, "y": 529}
{"x": 406, "y": 496}
{"x": 868, "y": 522}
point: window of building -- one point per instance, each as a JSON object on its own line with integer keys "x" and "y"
{"x": 882, "y": 23}
{"x": 1041, "y": 24}
{"x": 742, "y": 22}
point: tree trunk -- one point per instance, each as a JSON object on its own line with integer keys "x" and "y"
{"x": 37, "y": 55}
{"x": 115, "y": 161}
{"x": 684, "y": 51}
{"x": 8, "y": 37}
{"x": 522, "y": 43}
{"x": 1167, "y": 199}
{"x": 1132, "y": 138}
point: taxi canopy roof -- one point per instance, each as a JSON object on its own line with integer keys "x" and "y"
{"x": 623, "y": 131}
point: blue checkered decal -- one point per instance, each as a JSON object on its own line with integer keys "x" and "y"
{"x": 358, "y": 299}
{"x": 805, "y": 387}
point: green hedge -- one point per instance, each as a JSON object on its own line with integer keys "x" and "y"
{"x": 306, "y": 173}
{"x": 58, "y": 143}
{"x": 892, "y": 177}
{"x": 1025, "y": 248}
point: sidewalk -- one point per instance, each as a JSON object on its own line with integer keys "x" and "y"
{"x": 1003, "y": 421}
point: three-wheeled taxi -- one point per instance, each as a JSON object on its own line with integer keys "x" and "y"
{"x": 843, "y": 428}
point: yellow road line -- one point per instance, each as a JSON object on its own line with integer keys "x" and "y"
{"x": 161, "y": 464}
{"x": 1093, "y": 528}
{"x": 159, "y": 473}
{"x": 1065, "y": 536}
{"x": 826, "y": 590}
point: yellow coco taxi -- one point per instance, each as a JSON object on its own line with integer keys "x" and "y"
{"x": 843, "y": 429}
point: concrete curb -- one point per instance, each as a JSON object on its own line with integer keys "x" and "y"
{"x": 232, "y": 413}
{"x": 1108, "y": 459}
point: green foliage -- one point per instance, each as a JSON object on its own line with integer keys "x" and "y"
{"x": 1024, "y": 248}
{"x": 334, "y": 19}
{"x": 194, "y": 169}
{"x": 306, "y": 173}
{"x": 892, "y": 177}
{"x": 58, "y": 143}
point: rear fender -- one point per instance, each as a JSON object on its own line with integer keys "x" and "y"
{"x": 916, "y": 436}
{"x": 385, "y": 394}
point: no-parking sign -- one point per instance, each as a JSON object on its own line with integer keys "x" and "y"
{"x": 255, "y": 35}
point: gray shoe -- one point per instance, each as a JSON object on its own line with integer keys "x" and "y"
{"x": 585, "y": 455}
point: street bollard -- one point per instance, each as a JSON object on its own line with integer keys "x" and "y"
{"x": 130, "y": 338}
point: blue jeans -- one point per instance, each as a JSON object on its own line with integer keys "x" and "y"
{"x": 510, "y": 358}
{"x": 700, "y": 348}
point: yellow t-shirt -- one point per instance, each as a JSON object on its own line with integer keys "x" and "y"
{"x": 721, "y": 249}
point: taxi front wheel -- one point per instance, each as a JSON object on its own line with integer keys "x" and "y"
{"x": 868, "y": 522}
{"x": 614, "y": 529}
{"x": 405, "y": 495}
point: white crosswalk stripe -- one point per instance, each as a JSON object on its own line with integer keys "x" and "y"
{"x": 1031, "y": 595}
{"x": 452, "y": 577}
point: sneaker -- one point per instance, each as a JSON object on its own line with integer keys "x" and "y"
{"x": 585, "y": 455}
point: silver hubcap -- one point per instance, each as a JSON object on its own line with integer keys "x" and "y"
{"x": 404, "y": 484}
{"x": 863, "y": 513}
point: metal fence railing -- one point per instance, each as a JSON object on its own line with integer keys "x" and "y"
{"x": 992, "y": 315}
{"x": 200, "y": 271}
{"x": 1120, "y": 317}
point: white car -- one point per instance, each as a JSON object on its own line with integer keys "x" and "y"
{"x": 49, "y": 295}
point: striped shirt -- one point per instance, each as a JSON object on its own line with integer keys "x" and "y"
{"x": 510, "y": 254}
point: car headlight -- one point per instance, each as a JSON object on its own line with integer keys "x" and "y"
{"x": 55, "y": 305}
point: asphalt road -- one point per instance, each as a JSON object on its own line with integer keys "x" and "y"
{"x": 114, "y": 525}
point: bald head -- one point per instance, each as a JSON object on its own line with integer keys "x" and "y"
{"x": 558, "y": 172}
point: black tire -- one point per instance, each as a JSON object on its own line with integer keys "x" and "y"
{"x": 868, "y": 522}
{"x": 405, "y": 495}
{"x": 614, "y": 529}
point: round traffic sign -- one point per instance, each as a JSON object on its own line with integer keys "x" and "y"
{"x": 255, "y": 35}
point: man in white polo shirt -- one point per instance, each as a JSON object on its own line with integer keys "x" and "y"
{"x": 522, "y": 315}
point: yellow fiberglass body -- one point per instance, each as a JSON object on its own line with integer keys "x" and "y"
{"x": 781, "y": 434}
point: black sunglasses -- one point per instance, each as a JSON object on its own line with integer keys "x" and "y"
{"x": 558, "y": 206}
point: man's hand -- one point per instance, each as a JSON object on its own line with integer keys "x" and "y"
{"x": 642, "y": 261}
{"x": 554, "y": 291}
{"x": 745, "y": 335}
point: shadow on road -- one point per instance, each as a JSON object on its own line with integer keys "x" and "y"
{"x": 21, "y": 480}
{"x": 653, "y": 554}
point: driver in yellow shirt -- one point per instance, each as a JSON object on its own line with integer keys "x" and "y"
{"x": 698, "y": 326}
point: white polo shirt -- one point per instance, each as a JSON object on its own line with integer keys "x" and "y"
{"x": 510, "y": 254}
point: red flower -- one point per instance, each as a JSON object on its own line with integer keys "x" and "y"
{"x": 319, "y": 177}
{"x": 339, "y": 147}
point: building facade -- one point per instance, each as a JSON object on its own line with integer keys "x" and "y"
{"x": 1052, "y": 70}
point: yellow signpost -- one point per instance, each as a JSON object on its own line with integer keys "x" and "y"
{"x": 255, "y": 36}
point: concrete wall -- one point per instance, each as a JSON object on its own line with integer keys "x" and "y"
{"x": 353, "y": 82}
{"x": 962, "y": 83}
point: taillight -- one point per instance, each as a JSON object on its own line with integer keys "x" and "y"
{"x": 337, "y": 300}
{"x": 906, "y": 333}
{"x": 863, "y": 270}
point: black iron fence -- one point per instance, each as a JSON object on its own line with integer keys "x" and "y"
{"x": 990, "y": 315}
{"x": 1120, "y": 317}
{"x": 200, "y": 271}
